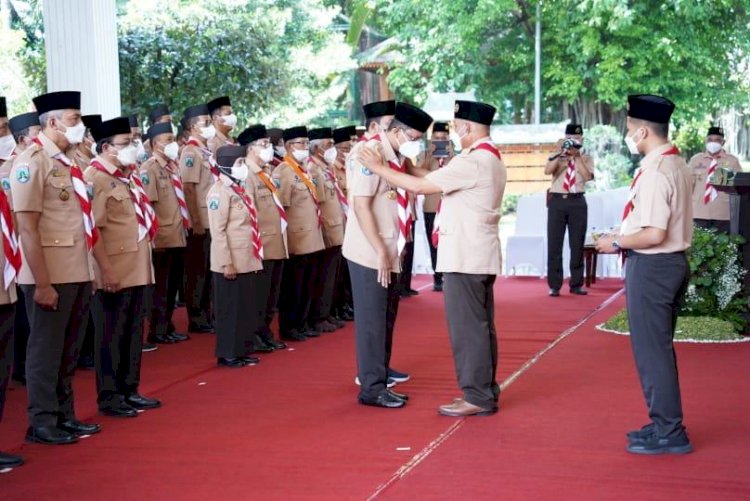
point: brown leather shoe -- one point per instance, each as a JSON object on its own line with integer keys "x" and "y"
{"x": 461, "y": 407}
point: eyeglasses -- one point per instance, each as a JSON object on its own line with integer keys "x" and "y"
{"x": 123, "y": 145}
{"x": 306, "y": 144}
{"x": 408, "y": 136}
{"x": 263, "y": 143}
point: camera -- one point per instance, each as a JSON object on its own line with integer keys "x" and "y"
{"x": 571, "y": 143}
{"x": 441, "y": 149}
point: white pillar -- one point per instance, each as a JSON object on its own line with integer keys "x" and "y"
{"x": 81, "y": 42}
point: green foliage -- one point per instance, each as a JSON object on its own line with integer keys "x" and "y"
{"x": 688, "y": 328}
{"x": 510, "y": 204}
{"x": 606, "y": 145}
{"x": 691, "y": 136}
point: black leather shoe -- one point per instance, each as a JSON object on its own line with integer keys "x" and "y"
{"x": 261, "y": 346}
{"x": 200, "y": 328}
{"x": 137, "y": 401}
{"x": 293, "y": 335}
{"x": 9, "y": 460}
{"x": 554, "y": 292}
{"x": 178, "y": 337}
{"x": 78, "y": 428}
{"x": 250, "y": 360}
{"x": 49, "y": 435}
{"x": 276, "y": 345}
{"x": 86, "y": 362}
{"x": 409, "y": 293}
{"x": 161, "y": 339}
{"x": 579, "y": 291}
{"x": 395, "y": 394}
{"x": 437, "y": 287}
{"x": 311, "y": 332}
{"x": 234, "y": 363}
{"x": 336, "y": 321}
{"x": 123, "y": 410}
{"x": 386, "y": 400}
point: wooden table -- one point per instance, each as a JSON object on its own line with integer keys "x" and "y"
{"x": 590, "y": 256}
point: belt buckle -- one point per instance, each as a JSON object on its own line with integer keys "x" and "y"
{"x": 565, "y": 195}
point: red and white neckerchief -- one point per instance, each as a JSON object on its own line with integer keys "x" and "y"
{"x": 179, "y": 191}
{"x": 304, "y": 176}
{"x": 144, "y": 227}
{"x": 79, "y": 187}
{"x": 405, "y": 219}
{"x": 629, "y": 206}
{"x": 254, "y": 227}
{"x": 207, "y": 156}
{"x": 276, "y": 199}
{"x": 710, "y": 193}
{"x": 12, "y": 252}
{"x": 339, "y": 192}
{"x": 486, "y": 146}
{"x": 152, "y": 223}
{"x": 569, "y": 183}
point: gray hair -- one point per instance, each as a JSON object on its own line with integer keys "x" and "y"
{"x": 45, "y": 117}
{"x": 315, "y": 144}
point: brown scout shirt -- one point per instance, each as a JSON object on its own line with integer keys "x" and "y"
{"x": 229, "y": 221}
{"x": 157, "y": 182}
{"x": 41, "y": 184}
{"x": 218, "y": 141}
{"x": 340, "y": 173}
{"x": 558, "y": 178}
{"x": 269, "y": 219}
{"x": 431, "y": 202}
{"x": 195, "y": 169}
{"x": 662, "y": 199}
{"x": 719, "y": 208}
{"x": 5, "y": 179}
{"x": 305, "y": 234}
{"x": 472, "y": 183}
{"x": 363, "y": 183}
{"x": 330, "y": 209}
{"x": 114, "y": 214}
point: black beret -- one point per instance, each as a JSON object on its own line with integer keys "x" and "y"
{"x": 217, "y": 103}
{"x": 3, "y": 107}
{"x": 440, "y": 127}
{"x": 413, "y": 117}
{"x": 133, "y": 120}
{"x": 23, "y": 121}
{"x": 474, "y": 111}
{"x": 109, "y": 128}
{"x": 252, "y": 133}
{"x": 343, "y": 134}
{"x": 715, "y": 131}
{"x": 652, "y": 108}
{"x": 195, "y": 111}
{"x": 158, "y": 111}
{"x": 320, "y": 133}
{"x": 227, "y": 155}
{"x": 379, "y": 109}
{"x": 160, "y": 128}
{"x": 275, "y": 131}
{"x": 91, "y": 120}
{"x": 573, "y": 129}
{"x": 62, "y": 100}
{"x": 294, "y": 133}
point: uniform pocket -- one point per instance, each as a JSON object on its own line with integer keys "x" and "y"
{"x": 114, "y": 247}
{"x": 57, "y": 240}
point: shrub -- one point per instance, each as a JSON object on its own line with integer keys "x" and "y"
{"x": 509, "y": 205}
{"x": 697, "y": 328}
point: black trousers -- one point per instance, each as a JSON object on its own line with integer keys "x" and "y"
{"x": 571, "y": 214}
{"x": 240, "y": 308}
{"x": 375, "y": 310}
{"x": 88, "y": 348}
{"x": 52, "y": 353}
{"x": 198, "y": 279}
{"x": 7, "y": 315}
{"x": 119, "y": 320}
{"x": 342, "y": 295}
{"x": 470, "y": 310}
{"x": 168, "y": 272}
{"x": 20, "y": 337}
{"x": 655, "y": 286}
{"x": 429, "y": 225}
{"x": 325, "y": 284}
{"x": 274, "y": 268}
{"x": 296, "y": 291}
{"x": 717, "y": 224}
{"x": 407, "y": 263}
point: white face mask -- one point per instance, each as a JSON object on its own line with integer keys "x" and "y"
{"x": 240, "y": 171}
{"x": 632, "y": 144}
{"x": 280, "y": 151}
{"x": 456, "y": 138}
{"x": 172, "y": 150}
{"x": 208, "y": 132}
{"x": 140, "y": 153}
{"x": 266, "y": 154}
{"x": 330, "y": 155}
{"x": 7, "y": 145}
{"x": 127, "y": 155}
{"x": 75, "y": 133}
{"x": 713, "y": 147}
{"x": 410, "y": 149}
{"x": 230, "y": 120}
{"x": 300, "y": 155}
{"x": 93, "y": 149}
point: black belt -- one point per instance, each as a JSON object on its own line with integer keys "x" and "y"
{"x": 567, "y": 195}
{"x": 631, "y": 253}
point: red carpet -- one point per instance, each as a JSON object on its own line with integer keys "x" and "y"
{"x": 290, "y": 427}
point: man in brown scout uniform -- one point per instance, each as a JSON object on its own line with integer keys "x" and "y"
{"x": 570, "y": 170}
{"x": 436, "y": 159}
{"x": 472, "y": 185}
{"x": 224, "y": 121}
{"x": 240, "y": 288}
{"x": 710, "y": 206}
{"x": 161, "y": 179}
{"x": 55, "y": 225}
{"x": 378, "y": 117}
{"x": 127, "y": 226}
{"x": 298, "y": 190}
{"x": 656, "y": 231}
{"x": 376, "y": 232}
{"x": 272, "y": 219}
{"x": 198, "y": 174}
{"x": 342, "y": 302}
{"x": 160, "y": 114}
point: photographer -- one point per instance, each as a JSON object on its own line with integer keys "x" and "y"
{"x": 566, "y": 209}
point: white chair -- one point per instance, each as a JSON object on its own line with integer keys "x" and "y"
{"x": 527, "y": 247}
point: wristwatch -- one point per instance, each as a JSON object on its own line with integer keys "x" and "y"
{"x": 616, "y": 245}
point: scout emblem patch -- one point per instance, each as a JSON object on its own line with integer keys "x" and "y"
{"x": 22, "y": 174}
{"x": 90, "y": 190}
{"x": 189, "y": 162}
{"x": 144, "y": 178}
{"x": 213, "y": 203}
{"x": 5, "y": 183}
{"x": 277, "y": 182}
{"x": 366, "y": 171}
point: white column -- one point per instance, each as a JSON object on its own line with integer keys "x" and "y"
{"x": 81, "y": 43}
